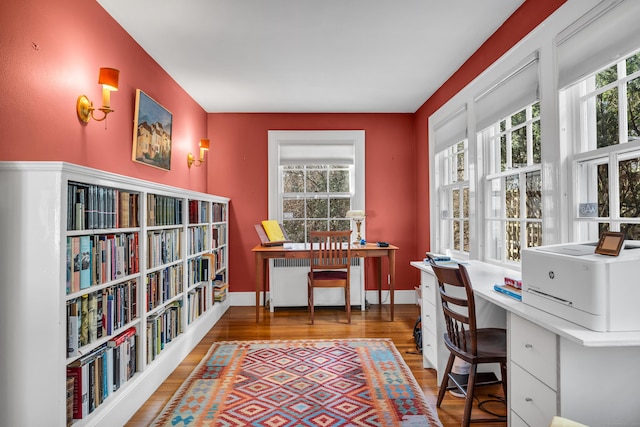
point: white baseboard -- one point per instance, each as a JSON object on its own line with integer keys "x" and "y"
{"x": 400, "y": 297}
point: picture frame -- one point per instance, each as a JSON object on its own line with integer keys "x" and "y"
{"x": 152, "y": 127}
{"x": 610, "y": 243}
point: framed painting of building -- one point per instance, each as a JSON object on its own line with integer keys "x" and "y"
{"x": 151, "y": 132}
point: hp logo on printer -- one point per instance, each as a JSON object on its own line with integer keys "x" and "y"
{"x": 551, "y": 275}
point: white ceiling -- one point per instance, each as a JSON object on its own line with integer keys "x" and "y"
{"x": 310, "y": 55}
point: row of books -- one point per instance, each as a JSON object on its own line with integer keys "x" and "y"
{"x": 163, "y": 210}
{"x": 162, "y": 285}
{"x": 102, "y": 372}
{"x": 98, "y": 314}
{"x": 96, "y": 207}
{"x": 219, "y": 234}
{"x": 219, "y": 256}
{"x": 219, "y": 213}
{"x": 198, "y": 212}
{"x": 197, "y": 300}
{"x": 199, "y": 269}
{"x": 162, "y": 328}
{"x": 97, "y": 259}
{"x": 511, "y": 287}
{"x": 197, "y": 239}
{"x": 163, "y": 247}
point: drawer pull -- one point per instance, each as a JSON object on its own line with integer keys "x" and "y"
{"x": 528, "y": 346}
{"x": 528, "y": 399}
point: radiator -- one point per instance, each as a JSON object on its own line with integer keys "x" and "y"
{"x": 288, "y": 285}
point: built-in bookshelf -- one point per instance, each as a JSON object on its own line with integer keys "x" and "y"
{"x": 108, "y": 283}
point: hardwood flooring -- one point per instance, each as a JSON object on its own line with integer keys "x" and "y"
{"x": 238, "y": 323}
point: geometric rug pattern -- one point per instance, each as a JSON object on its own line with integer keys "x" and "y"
{"x": 314, "y": 383}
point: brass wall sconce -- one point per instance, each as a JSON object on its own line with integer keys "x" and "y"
{"x": 204, "y": 146}
{"x": 357, "y": 217}
{"x": 108, "y": 78}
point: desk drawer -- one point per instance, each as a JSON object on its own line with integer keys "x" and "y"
{"x": 429, "y": 317}
{"x": 429, "y": 287}
{"x": 533, "y": 401}
{"x": 534, "y": 349}
{"x": 430, "y": 348}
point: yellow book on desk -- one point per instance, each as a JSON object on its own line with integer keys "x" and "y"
{"x": 271, "y": 233}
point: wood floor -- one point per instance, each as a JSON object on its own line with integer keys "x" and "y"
{"x": 238, "y": 323}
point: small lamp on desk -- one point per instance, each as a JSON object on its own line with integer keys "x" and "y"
{"x": 358, "y": 217}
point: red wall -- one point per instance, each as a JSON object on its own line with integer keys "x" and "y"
{"x": 239, "y": 168}
{"x": 51, "y": 53}
{"x": 528, "y": 16}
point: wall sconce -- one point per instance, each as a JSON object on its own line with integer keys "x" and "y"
{"x": 204, "y": 146}
{"x": 108, "y": 78}
{"x": 357, "y": 217}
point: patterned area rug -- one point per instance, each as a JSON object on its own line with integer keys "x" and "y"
{"x": 319, "y": 383}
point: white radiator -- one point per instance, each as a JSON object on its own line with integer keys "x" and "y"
{"x": 288, "y": 285}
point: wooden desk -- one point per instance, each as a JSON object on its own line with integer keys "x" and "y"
{"x": 263, "y": 254}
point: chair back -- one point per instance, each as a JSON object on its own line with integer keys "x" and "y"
{"x": 330, "y": 250}
{"x": 458, "y": 308}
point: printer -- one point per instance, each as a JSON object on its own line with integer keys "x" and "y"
{"x": 571, "y": 281}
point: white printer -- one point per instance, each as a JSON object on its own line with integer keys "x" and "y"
{"x": 571, "y": 281}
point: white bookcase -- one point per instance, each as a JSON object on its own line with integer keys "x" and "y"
{"x": 41, "y": 216}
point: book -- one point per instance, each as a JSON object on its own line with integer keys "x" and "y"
{"x": 274, "y": 237}
{"x": 509, "y": 291}
{"x": 76, "y": 260}
{"x": 273, "y": 230}
{"x": 85, "y": 262}
{"x": 437, "y": 257}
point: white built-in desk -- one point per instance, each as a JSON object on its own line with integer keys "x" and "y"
{"x": 555, "y": 367}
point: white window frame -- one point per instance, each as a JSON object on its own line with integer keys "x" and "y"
{"x": 318, "y": 146}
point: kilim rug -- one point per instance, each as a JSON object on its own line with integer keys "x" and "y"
{"x": 319, "y": 383}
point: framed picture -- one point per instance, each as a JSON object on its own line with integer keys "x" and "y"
{"x": 610, "y": 243}
{"x": 151, "y": 132}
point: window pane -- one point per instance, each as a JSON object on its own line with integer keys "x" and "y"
{"x": 633, "y": 108}
{"x": 317, "y": 181}
{"x": 293, "y": 208}
{"x": 603, "y": 190}
{"x": 631, "y": 231}
{"x": 460, "y": 164}
{"x": 339, "y": 181}
{"x": 295, "y": 230}
{"x": 535, "y": 110}
{"x": 534, "y": 234}
{"x": 633, "y": 64}
{"x": 317, "y": 208}
{"x": 629, "y": 187}
{"x": 519, "y": 148}
{"x": 607, "y": 118}
{"x": 341, "y": 225}
{"x": 503, "y": 153}
{"x": 519, "y": 118}
{"x": 339, "y": 207}
{"x": 317, "y": 225}
{"x": 293, "y": 180}
{"x": 503, "y": 125}
{"x": 607, "y": 76}
{"x": 465, "y": 236}
{"x": 456, "y": 203}
{"x": 512, "y": 196}
{"x": 534, "y": 195}
{"x": 465, "y": 202}
{"x": 537, "y": 151}
{"x": 456, "y": 235}
{"x": 513, "y": 241}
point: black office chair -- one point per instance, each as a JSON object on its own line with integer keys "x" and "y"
{"x": 466, "y": 341}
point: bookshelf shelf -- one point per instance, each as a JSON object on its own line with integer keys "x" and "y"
{"x": 103, "y": 286}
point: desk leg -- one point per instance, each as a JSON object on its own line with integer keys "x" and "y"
{"x": 259, "y": 282}
{"x": 392, "y": 280}
{"x": 378, "y": 262}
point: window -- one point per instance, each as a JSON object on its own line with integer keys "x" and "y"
{"x": 315, "y": 178}
{"x": 454, "y": 198}
{"x": 513, "y": 190}
{"x": 607, "y": 160}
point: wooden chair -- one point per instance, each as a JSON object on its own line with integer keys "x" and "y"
{"x": 465, "y": 340}
{"x": 330, "y": 265}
